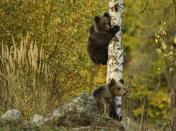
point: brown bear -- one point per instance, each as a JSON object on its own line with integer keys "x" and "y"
{"x": 105, "y": 95}
{"x": 101, "y": 33}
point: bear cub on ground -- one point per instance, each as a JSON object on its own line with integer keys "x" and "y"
{"x": 101, "y": 33}
{"x": 105, "y": 95}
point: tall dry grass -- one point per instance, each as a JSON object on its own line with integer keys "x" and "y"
{"x": 24, "y": 77}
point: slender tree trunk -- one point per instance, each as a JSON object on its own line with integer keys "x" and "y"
{"x": 173, "y": 111}
{"x": 173, "y": 103}
{"x": 142, "y": 128}
{"x": 115, "y": 50}
{"x": 171, "y": 79}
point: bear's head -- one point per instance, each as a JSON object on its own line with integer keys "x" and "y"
{"x": 117, "y": 88}
{"x": 102, "y": 23}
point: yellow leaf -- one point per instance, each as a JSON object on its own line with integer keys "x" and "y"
{"x": 170, "y": 69}
{"x": 175, "y": 40}
{"x": 158, "y": 51}
{"x": 156, "y": 40}
{"x": 170, "y": 53}
{"x": 164, "y": 32}
{"x": 163, "y": 46}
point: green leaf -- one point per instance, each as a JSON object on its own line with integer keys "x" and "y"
{"x": 163, "y": 45}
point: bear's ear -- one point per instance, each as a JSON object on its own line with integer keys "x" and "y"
{"x": 106, "y": 14}
{"x": 111, "y": 83}
{"x": 122, "y": 81}
{"x": 96, "y": 18}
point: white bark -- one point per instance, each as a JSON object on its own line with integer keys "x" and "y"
{"x": 115, "y": 50}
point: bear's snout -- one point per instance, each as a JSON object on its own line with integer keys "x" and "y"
{"x": 123, "y": 92}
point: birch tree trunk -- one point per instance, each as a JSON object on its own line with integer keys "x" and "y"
{"x": 115, "y": 50}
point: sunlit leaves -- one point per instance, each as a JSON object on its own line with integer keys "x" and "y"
{"x": 61, "y": 27}
{"x": 159, "y": 51}
{"x": 166, "y": 48}
{"x": 175, "y": 40}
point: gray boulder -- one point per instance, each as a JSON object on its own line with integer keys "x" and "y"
{"x": 38, "y": 120}
{"x": 80, "y": 114}
{"x": 82, "y": 111}
{"x": 81, "y": 104}
{"x": 13, "y": 116}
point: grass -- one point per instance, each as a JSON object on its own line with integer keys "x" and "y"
{"x": 24, "y": 77}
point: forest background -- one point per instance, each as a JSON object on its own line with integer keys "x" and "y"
{"x": 44, "y": 60}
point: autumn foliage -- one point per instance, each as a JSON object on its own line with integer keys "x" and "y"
{"x": 44, "y": 60}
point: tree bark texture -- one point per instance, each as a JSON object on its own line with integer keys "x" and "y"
{"x": 115, "y": 50}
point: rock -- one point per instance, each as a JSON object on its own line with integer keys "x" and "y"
{"x": 13, "y": 116}
{"x": 82, "y": 111}
{"x": 80, "y": 114}
{"x": 38, "y": 120}
{"x": 82, "y": 104}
